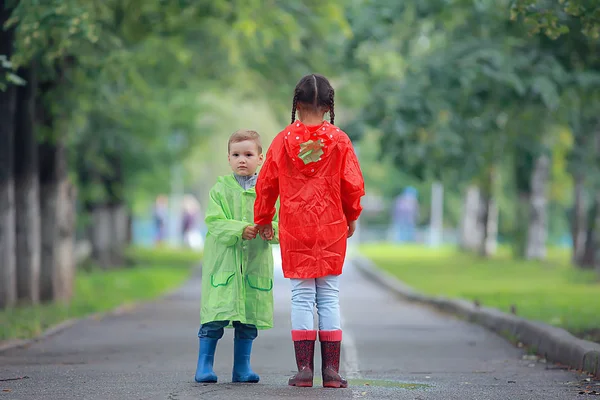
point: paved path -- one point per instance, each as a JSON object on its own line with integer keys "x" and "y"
{"x": 393, "y": 350}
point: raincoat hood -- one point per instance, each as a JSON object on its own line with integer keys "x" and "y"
{"x": 308, "y": 146}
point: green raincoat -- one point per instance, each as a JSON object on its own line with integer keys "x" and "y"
{"x": 237, "y": 274}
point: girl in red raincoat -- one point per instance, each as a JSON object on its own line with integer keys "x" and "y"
{"x": 312, "y": 167}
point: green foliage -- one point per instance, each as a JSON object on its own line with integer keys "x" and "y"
{"x": 551, "y": 292}
{"x": 460, "y": 93}
{"x": 451, "y": 110}
{"x": 126, "y": 76}
{"x": 438, "y": 90}
{"x": 552, "y": 17}
{"x": 51, "y": 30}
{"x": 8, "y": 75}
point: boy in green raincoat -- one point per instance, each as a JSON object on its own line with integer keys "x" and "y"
{"x": 237, "y": 272}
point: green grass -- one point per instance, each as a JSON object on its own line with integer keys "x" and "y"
{"x": 552, "y": 291}
{"x": 155, "y": 271}
{"x": 163, "y": 255}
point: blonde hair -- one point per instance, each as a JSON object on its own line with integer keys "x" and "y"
{"x": 242, "y": 135}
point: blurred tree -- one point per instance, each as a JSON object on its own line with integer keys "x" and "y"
{"x": 550, "y": 16}
{"x": 453, "y": 107}
{"x": 8, "y": 273}
{"x": 27, "y": 196}
{"x": 117, "y": 98}
{"x": 579, "y": 55}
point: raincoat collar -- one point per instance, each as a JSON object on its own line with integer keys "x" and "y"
{"x": 246, "y": 182}
{"x": 229, "y": 180}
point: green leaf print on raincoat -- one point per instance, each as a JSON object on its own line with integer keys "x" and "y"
{"x": 237, "y": 274}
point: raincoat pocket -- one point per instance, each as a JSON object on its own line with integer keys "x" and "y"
{"x": 221, "y": 278}
{"x": 264, "y": 284}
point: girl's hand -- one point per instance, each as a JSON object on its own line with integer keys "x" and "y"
{"x": 266, "y": 232}
{"x": 249, "y": 232}
{"x": 351, "y": 228}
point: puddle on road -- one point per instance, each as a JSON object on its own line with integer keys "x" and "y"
{"x": 379, "y": 383}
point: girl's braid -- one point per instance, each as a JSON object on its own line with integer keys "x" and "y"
{"x": 294, "y": 105}
{"x": 331, "y": 105}
{"x": 316, "y": 97}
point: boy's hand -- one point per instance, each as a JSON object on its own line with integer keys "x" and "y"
{"x": 266, "y": 232}
{"x": 249, "y": 232}
{"x": 351, "y": 228}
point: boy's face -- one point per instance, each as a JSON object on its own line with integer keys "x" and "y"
{"x": 244, "y": 157}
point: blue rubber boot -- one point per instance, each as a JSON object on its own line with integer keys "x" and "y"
{"x": 206, "y": 358}
{"x": 241, "y": 362}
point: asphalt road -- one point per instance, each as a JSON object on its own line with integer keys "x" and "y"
{"x": 392, "y": 350}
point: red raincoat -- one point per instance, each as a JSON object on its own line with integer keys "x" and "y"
{"x": 316, "y": 199}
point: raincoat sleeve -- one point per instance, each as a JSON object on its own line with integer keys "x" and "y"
{"x": 275, "y": 230}
{"x": 352, "y": 185}
{"x": 225, "y": 230}
{"x": 267, "y": 191}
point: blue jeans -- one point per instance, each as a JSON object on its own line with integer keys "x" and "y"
{"x": 216, "y": 329}
{"x": 324, "y": 292}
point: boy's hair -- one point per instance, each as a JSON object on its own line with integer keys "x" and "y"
{"x": 316, "y": 91}
{"x": 243, "y": 135}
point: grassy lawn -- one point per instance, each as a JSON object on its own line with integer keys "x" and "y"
{"x": 552, "y": 291}
{"x": 155, "y": 271}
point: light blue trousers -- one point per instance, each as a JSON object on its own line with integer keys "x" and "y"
{"x": 324, "y": 292}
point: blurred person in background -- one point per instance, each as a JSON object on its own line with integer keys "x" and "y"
{"x": 189, "y": 222}
{"x": 405, "y": 215}
{"x": 159, "y": 218}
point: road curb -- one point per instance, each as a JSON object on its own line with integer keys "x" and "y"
{"x": 119, "y": 310}
{"x": 552, "y": 343}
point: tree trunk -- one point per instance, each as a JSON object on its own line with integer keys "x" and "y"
{"x": 590, "y": 256}
{"x": 492, "y": 228}
{"x": 523, "y": 206}
{"x": 65, "y": 262}
{"x": 48, "y": 202}
{"x": 488, "y": 214}
{"x": 100, "y": 231}
{"x": 537, "y": 231}
{"x": 470, "y": 233}
{"x": 578, "y": 220}
{"x": 592, "y": 243}
{"x": 28, "y": 233}
{"x": 488, "y": 226}
{"x": 129, "y": 237}
{"x": 118, "y": 238}
{"x": 114, "y": 184}
{"x": 58, "y": 237}
{"x": 8, "y": 277}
